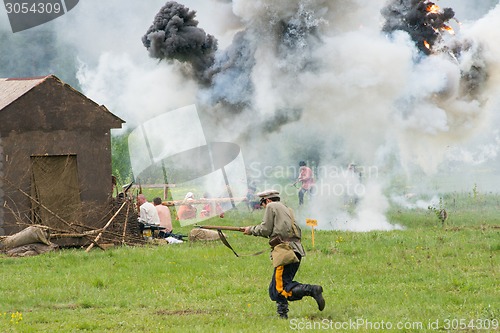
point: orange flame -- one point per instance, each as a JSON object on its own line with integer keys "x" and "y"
{"x": 432, "y": 8}
{"x": 448, "y": 28}
{"x": 427, "y": 45}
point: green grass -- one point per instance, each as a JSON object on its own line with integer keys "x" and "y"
{"x": 414, "y": 277}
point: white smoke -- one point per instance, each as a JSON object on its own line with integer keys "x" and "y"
{"x": 344, "y": 202}
{"x": 114, "y": 68}
{"x": 322, "y": 78}
{"x": 137, "y": 91}
{"x": 408, "y": 201}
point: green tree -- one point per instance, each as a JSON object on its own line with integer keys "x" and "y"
{"x": 122, "y": 168}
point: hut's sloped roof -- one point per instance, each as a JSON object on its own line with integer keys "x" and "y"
{"x": 12, "y": 89}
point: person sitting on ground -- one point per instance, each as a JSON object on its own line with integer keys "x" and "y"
{"x": 186, "y": 210}
{"x": 208, "y": 208}
{"x": 165, "y": 218}
{"x": 147, "y": 212}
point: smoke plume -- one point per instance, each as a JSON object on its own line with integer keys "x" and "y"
{"x": 404, "y": 91}
{"x": 174, "y": 34}
{"x": 329, "y": 82}
{"x": 422, "y": 20}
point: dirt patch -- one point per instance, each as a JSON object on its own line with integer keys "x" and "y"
{"x": 185, "y": 312}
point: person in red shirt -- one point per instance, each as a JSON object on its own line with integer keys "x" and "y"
{"x": 186, "y": 210}
{"x": 306, "y": 179}
{"x": 209, "y": 207}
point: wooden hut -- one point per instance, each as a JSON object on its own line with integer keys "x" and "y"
{"x": 55, "y": 156}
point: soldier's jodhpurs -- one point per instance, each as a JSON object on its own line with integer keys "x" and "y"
{"x": 283, "y": 288}
{"x": 281, "y": 285}
{"x": 282, "y": 282}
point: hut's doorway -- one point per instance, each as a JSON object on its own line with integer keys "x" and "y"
{"x": 55, "y": 187}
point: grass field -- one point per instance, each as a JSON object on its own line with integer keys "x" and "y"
{"x": 426, "y": 278}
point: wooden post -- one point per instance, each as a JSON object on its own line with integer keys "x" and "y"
{"x": 312, "y": 223}
{"x": 125, "y": 224}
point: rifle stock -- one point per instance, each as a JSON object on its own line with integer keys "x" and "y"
{"x": 221, "y": 227}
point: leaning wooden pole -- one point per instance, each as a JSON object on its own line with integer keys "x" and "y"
{"x": 125, "y": 224}
{"x": 105, "y": 227}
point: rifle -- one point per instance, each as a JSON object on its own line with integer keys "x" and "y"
{"x": 223, "y": 227}
{"x": 221, "y": 235}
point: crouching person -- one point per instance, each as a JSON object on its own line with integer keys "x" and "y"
{"x": 278, "y": 224}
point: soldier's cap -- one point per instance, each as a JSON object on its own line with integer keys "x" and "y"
{"x": 268, "y": 194}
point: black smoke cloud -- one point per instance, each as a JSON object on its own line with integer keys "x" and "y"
{"x": 226, "y": 76}
{"x": 231, "y": 74}
{"x": 298, "y": 36}
{"x": 475, "y": 74}
{"x": 425, "y": 25}
{"x": 414, "y": 17}
{"x": 174, "y": 34}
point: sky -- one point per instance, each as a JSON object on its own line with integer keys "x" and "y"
{"x": 329, "y": 82}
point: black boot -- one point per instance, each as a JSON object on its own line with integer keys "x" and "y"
{"x": 282, "y": 310}
{"x": 317, "y": 294}
{"x": 314, "y": 291}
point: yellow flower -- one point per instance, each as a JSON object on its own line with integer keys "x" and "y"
{"x": 15, "y": 317}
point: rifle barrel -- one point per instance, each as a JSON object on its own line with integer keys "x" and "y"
{"x": 221, "y": 227}
{"x": 202, "y": 201}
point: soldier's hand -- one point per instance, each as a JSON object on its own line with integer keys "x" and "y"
{"x": 247, "y": 231}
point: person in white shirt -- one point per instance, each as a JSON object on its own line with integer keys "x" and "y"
{"x": 147, "y": 211}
